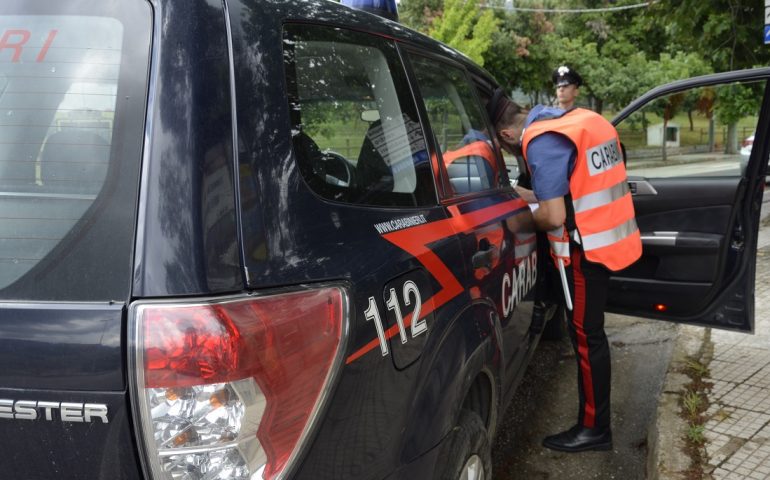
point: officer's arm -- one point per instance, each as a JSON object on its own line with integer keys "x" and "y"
{"x": 551, "y": 214}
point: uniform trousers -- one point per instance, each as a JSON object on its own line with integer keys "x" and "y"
{"x": 588, "y": 282}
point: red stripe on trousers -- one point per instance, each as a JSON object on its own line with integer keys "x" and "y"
{"x": 578, "y": 317}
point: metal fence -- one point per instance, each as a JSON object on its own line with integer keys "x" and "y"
{"x": 639, "y": 137}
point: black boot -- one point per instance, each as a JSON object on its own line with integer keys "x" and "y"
{"x": 580, "y": 439}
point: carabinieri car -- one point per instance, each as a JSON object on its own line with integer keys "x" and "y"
{"x": 266, "y": 239}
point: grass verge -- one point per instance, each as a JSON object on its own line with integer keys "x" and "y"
{"x": 694, "y": 403}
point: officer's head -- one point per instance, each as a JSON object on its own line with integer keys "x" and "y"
{"x": 509, "y": 119}
{"x": 567, "y": 83}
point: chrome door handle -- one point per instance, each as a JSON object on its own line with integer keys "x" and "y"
{"x": 641, "y": 187}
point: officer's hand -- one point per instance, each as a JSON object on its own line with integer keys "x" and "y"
{"x": 527, "y": 194}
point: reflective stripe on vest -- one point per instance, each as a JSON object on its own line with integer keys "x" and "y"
{"x": 608, "y": 237}
{"x": 601, "y": 200}
{"x": 560, "y": 249}
{"x": 559, "y": 241}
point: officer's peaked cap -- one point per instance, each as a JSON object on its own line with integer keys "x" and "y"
{"x": 564, "y": 75}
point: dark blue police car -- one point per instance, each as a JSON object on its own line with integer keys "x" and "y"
{"x": 264, "y": 239}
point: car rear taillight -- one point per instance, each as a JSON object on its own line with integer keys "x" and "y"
{"x": 230, "y": 388}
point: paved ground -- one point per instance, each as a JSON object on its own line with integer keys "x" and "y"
{"x": 647, "y": 423}
{"x": 737, "y": 427}
{"x": 546, "y": 402}
{"x": 738, "y": 431}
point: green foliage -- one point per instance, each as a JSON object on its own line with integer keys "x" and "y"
{"x": 695, "y": 368}
{"x": 692, "y": 404}
{"x": 669, "y": 68}
{"x": 727, "y": 33}
{"x": 696, "y": 433}
{"x": 678, "y": 66}
{"x": 420, "y": 14}
{"x": 520, "y": 55}
{"x": 620, "y": 54}
{"x": 463, "y": 27}
{"x": 737, "y": 101}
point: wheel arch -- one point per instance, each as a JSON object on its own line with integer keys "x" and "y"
{"x": 461, "y": 370}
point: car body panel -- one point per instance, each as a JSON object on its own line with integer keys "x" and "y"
{"x": 187, "y": 236}
{"x": 389, "y": 396}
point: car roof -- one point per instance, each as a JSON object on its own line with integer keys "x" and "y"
{"x": 333, "y": 13}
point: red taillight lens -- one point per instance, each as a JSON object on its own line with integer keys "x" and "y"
{"x": 243, "y": 374}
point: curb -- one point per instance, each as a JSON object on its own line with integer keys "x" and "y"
{"x": 666, "y": 457}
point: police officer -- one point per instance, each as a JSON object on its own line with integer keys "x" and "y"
{"x": 567, "y": 83}
{"x": 586, "y": 208}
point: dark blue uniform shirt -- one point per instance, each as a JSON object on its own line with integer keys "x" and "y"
{"x": 551, "y": 157}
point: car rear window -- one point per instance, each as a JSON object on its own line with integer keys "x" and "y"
{"x": 72, "y": 96}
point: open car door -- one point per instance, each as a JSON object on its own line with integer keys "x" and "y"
{"x": 697, "y": 185}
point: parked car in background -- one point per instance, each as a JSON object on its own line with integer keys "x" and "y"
{"x": 745, "y": 151}
{"x": 746, "y": 146}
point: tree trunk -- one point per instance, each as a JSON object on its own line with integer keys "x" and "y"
{"x": 731, "y": 145}
{"x": 689, "y": 116}
{"x": 712, "y": 134}
{"x": 599, "y": 105}
{"x": 663, "y": 143}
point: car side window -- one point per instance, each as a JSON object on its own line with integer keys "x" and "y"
{"x": 458, "y": 126}
{"x": 355, "y": 129}
{"x": 701, "y": 132}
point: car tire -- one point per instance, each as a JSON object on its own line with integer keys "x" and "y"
{"x": 466, "y": 453}
{"x": 556, "y": 326}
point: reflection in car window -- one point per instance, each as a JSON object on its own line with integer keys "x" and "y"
{"x": 354, "y": 125}
{"x": 457, "y": 123}
{"x": 59, "y": 90}
{"x": 701, "y": 132}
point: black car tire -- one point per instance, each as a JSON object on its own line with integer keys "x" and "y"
{"x": 556, "y": 326}
{"x": 465, "y": 451}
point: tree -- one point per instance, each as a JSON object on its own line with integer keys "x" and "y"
{"x": 520, "y": 54}
{"x": 463, "y": 27}
{"x": 420, "y": 14}
{"x": 727, "y": 33}
{"x": 667, "y": 69}
{"x": 733, "y": 103}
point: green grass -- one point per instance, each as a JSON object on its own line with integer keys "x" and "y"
{"x": 696, "y": 367}
{"x": 634, "y": 136}
{"x": 692, "y": 402}
{"x": 695, "y": 433}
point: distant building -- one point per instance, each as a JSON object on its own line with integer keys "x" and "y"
{"x": 655, "y": 135}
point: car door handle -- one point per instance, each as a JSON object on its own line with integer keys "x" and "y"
{"x": 641, "y": 187}
{"x": 482, "y": 259}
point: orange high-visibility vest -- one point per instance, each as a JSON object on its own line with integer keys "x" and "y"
{"x": 601, "y": 200}
{"x": 478, "y": 148}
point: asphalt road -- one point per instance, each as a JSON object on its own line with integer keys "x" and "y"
{"x": 546, "y": 403}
